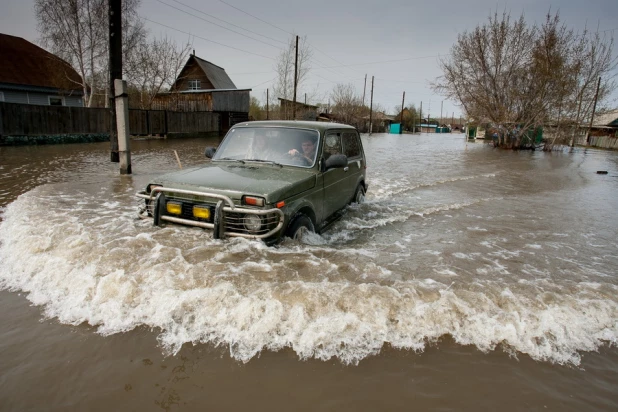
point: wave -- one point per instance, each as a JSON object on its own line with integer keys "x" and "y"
{"x": 83, "y": 260}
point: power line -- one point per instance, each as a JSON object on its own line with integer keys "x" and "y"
{"x": 387, "y": 61}
{"x": 267, "y": 81}
{"x": 255, "y": 17}
{"x": 247, "y": 73}
{"x": 208, "y": 40}
{"x": 218, "y": 25}
{"x": 227, "y": 22}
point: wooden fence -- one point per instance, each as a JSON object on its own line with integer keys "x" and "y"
{"x": 31, "y": 120}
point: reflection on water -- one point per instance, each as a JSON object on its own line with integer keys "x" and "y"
{"x": 492, "y": 248}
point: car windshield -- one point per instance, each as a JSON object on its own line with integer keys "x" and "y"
{"x": 278, "y": 145}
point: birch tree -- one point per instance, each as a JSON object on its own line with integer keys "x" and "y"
{"x": 153, "y": 67}
{"x": 77, "y": 32}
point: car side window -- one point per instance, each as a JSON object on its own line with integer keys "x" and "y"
{"x": 332, "y": 144}
{"x": 351, "y": 145}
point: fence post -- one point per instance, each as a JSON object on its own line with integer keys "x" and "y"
{"x": 122, "y": 120}
{"x": 1, "y": 119}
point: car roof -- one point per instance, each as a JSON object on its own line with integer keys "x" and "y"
{"x": 320, "y": 126}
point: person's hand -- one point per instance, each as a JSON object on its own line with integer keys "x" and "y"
{"x": 293, "y": 152}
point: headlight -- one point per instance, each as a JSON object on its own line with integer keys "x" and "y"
{"x": 253, "y": 223}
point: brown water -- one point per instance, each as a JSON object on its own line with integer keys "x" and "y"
{"x": 471, "y": 279}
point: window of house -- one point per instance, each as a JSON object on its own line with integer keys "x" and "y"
{"x": 194, "y": 85}
{"x": 56, "y": 101}
{"x": 351, "y": 145}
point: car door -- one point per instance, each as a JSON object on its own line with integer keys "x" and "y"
{"x": 335, "y": 179}
{"x": 353, "y": 150}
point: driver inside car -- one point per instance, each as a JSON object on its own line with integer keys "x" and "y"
{"x": 308, "y": 147}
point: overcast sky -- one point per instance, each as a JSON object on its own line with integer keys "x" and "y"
{"x": 396, "y": 41}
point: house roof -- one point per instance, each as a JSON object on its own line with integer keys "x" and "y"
{"x": 26, "y": 64}
{"x": 609, "y": 118}
{"x": 217, "y": 75}
{"x": 379, "y": 116}
{"x": 287, "y": 101}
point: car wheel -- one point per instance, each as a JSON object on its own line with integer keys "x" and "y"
{"x": 300, "y": 226}
{"x": 359, "y": 195}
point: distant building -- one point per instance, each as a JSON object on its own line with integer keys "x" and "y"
{"x": 204, "y": 86}
{"x": 605, "y": 123}
{"x": 31, "y": 75}
{"x": 381, "y": 122}
{"x": 303, "y": 111}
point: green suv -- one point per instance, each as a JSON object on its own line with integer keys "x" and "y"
{"x": 266, "y": 180}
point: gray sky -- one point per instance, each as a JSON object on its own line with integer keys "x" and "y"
{"x": 397, "y": 41}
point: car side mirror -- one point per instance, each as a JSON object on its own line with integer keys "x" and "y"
{"x": 210, "y": 152}
{"x": 336, "y": 161}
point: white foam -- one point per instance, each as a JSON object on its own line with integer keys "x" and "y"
{"x": 119, "y": 273}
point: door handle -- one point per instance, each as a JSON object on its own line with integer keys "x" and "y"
{"x": 345, "y": 169}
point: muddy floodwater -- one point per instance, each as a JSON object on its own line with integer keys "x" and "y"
{"x": 471, "y": 279}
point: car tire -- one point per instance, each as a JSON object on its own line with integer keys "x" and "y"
{"x": 299, "y": 227}
{"x": 359, "y": 195}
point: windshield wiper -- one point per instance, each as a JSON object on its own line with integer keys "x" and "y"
{"x": 233, "y": 160}
{"x": 264, "y": 161}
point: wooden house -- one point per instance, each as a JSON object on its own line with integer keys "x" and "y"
{"x": 204, "y": 86}
{"x": 380, "y": 122}
{"x": 32, "y": 75}
{"x": 303, "y": 111}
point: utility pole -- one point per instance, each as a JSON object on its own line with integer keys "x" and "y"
{"x": 295, "y": 81}
{"x": 403, "y": 99}
{"x": 594, "y": 108}
{"x": 371, "y": 109}
{"x": 420, "y": 119}
{"x": 305, "y": 99}
{"x": 267, "y": 111}
{"x": 441, "y": 108}
{"x": 122, "y": 121}
{"x": 364, "y": 89}
{"x": 115, "y": 69}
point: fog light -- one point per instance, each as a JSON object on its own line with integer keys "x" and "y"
{"x": 201, "y": 212}
{"x": 174, "y": 208}
{"x": 253, "y": 223}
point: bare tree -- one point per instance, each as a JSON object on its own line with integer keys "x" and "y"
{"x": 593, "y": 58}
{"x": 410, "y": 116}
{"x": 517, "y": 77}
{"x": 77, "y": 31}
{"x": 347, "y": 104}
{"x": 153, "y": 66}
{"x": 284, "y": 66}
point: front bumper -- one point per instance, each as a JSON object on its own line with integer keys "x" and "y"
{"x": 226, "y": 218}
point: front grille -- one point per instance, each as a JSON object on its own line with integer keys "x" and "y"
{"x": 235, "y": 222}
